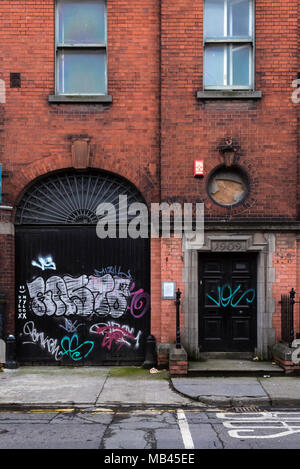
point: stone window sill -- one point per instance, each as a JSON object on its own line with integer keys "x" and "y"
{"x": 63, "y": 99}
{"x": 228, "y": 94}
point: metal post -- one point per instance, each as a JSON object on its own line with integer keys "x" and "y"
{"x": 2, "y": 312}
{"x": 10, "y": 362}
{"x": 177, "y": 302}
{"x": 292, "y": 302}
{"x": 150, "y": 355}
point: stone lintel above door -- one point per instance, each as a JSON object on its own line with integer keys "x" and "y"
{"x": 262, "y": 243}
{"x": 224, "y": 242}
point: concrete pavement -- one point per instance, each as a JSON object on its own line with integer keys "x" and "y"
{"x": 241, "y": 391}
{"x": 49, "y": 386}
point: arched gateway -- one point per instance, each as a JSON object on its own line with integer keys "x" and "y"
{"x": 80, "y": 300}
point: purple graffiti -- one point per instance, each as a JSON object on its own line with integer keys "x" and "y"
{"x": 140, "y": 301}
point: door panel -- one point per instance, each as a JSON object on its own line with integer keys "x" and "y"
{"x": 81, "y": 300}
{"x": 227, "y": 302}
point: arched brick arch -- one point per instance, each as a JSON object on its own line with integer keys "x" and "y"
{"x": 72, "y": 197}
{"x": 143, "y": 177}
{"x": 23, "y": 179}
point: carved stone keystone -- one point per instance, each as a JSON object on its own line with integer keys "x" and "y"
{"x": 80, "y": 153}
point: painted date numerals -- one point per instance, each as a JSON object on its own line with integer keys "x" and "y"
{"x": 225, "y": 246}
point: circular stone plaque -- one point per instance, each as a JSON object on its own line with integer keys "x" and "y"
{"x": 227, "y": 186}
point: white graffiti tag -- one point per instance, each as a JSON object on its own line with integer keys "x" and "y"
{"x": 261, "y": 425}
{"x": 45, "y": 343}
{"x": 84, "y": 295}
{"x": 44, "y": 263}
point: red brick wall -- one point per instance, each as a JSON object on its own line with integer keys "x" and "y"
{"x": 166, "y": 265}
{"x": 297, "y": 287}
{"x": 266, "y": 130}
{"x": 155, "y": 288}
{"x": 286, "y": 268}
{"x": 124, "y": 135}
{"x": 7, "y": 247}
{"x": 298, "y": 116}
{"x": 172, "y": 263}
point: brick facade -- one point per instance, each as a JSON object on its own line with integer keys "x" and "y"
{"x": 155, "y": 128}
{"x": 194, "y": 128}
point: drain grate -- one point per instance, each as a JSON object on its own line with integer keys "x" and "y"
{"x": 239, "y": 410}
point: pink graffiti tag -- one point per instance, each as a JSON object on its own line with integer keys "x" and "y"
{"x": 115, "y": 334}
{"x": 140, "y": 302}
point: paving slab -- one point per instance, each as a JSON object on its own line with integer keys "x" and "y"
{"x": 48, "y": 386}
{"x": 241, "y": 391}
{"x": 227, "y": 387}
{"x": 283, "y": 389}
{"x": 51, "y": 385}
{"x": 42, "y": 386}
{"x": 140, "y": 392}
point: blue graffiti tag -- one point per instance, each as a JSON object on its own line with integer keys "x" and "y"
{"x": 113, "y": 270}
{"x": 70, "y": 326}
{"x": 73, "y": 350}
{"x": 229, "y": 299}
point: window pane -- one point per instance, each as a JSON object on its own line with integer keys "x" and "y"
{"x": 214, "y": 18}
{"x": 227, "y": 65}
{"x": 81, "y": 22}
{"x": 240, "y": 65}
{"x": 214, "y": 65}
{"x": 81, "y": 72}
{"x": 227, "y": 18}
{"x": 239, "y": 18}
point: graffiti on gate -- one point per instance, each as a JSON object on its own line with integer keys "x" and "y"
{"x": 73, "y": 302}
{"x": 44, "y": 263}
{"x": 21, "y": 303}
{"x": 68, "y": 346}
{"x": 140, "y": 302}
{"x": 84, "y": 295}
{"x": 113, "y": 270}
{"x": 46, "y": 343}
{"x": 71, "y": 326}
{"x": 103, "y": 295}
{"x": 226, "y": 296}
{"x": 72, "y": 348}
{"x": 117, "y": 334}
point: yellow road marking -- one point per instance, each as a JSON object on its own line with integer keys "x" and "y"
{"x": 99, "y": 410}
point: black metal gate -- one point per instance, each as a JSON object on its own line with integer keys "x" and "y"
{"x": 288, "y": 304}
{"x": 80, "y": 300}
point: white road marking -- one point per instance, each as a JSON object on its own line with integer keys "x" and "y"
{"x": 185, "y": 430}
{"x": 261, "y": 425}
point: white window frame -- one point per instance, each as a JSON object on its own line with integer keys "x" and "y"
{"x": 229, "y": 42}
{"x": 61, "y": 47}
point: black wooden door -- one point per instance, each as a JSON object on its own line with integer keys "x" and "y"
{"x": 81, "y": 300}
{"x": 227, "y": 302}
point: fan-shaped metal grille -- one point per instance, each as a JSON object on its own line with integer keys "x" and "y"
{"x": 72, "y": 198}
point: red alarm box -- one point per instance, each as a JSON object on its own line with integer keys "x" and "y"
{"x": 199, "y": 168}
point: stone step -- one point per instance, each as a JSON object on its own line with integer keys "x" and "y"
{"x": 219, "y": 367}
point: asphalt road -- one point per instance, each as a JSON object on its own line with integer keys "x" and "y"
{"x": 150, "y": 429}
